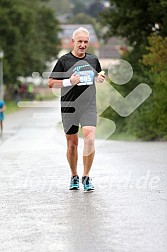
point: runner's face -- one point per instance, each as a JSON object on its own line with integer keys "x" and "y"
{"x": 80, "y": 44}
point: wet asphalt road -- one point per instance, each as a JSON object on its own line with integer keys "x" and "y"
{"x": 127, "y": 212}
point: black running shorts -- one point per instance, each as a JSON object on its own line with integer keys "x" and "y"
{"x": 86, "y": 117}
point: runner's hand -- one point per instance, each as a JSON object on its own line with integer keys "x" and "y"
{"x": 101, "y": 76}
{"x": 75, "y": 79}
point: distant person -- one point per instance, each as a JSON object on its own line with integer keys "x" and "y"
{"x": 30, "y": 90}
{"x": 23, "y": 90}
{"x": 75, "y": 74}
{"x": 2, "y": 109}
{"x": 16, "y": 93}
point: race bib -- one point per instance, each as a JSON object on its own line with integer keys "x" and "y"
{"x": 86, "y": 77}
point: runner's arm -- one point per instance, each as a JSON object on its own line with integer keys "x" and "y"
{"x": 2, "y": 109}
{"x": 55, "y": 83}
{"x": 73, "y": 80}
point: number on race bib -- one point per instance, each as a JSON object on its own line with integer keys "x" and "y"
{"x": 86, "y": 77}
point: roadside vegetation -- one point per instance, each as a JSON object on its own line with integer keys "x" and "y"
{"x": 144, "y": 25}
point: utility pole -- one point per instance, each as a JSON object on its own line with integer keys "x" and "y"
{"x": 1, "y": 74}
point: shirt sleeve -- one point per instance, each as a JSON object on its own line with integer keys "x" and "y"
{"x": 2, "y": 104}
{"x": 58, "y": 71}
{"x": 98, "y": 67}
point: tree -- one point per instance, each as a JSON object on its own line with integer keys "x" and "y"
{"x": 95, "y": 8}
{"x": 28, "y": 37}
{"x": 154, "y": 115}
{"x": 135, "y": 20}
{"x": 78, "y": 6}
{"x": 156, "y": 56}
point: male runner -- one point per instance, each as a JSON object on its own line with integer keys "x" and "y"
{"x": 75, "y": 74}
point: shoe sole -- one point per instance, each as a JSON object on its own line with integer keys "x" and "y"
{"x": 90, "y": 190}
{"x": 74, "y": 189}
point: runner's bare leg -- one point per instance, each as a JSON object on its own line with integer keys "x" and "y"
{"x": 1, "y": 123}
{"x": 89, "y": 148}
{"x": 72, "y": 152}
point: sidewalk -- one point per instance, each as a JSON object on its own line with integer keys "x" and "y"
{"x": 127, "y": 211}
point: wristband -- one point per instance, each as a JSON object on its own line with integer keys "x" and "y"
{"x": 66, "y": 83}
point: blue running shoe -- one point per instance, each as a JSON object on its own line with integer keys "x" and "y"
{"x": 74, "y": 185}
{"x": 86, "y": 181}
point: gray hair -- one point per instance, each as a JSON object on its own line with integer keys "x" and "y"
{"x": 79, "y": 30}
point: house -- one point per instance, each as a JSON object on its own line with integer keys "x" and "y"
{"x": 113, "y": 48}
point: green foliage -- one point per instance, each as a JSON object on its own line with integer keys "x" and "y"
{"x": 11, "y": 107}
{"x": 135, "y": 20}
{"x": 78, "y": 7}
{"x": 140, "y": 75}
{"x": 150, "y": 123}
{"x": 157, "y": 56}
{"x": 95, "y": 8}
{"x": 28, "y": 37}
